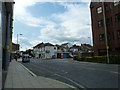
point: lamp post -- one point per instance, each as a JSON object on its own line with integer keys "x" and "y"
{"x": 17, "y": 37}
{"x": 17, "y": 48}
{"x": 106, "y": 39}
{"x": 17, "y": 40}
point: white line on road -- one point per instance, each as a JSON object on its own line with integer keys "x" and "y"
{"x": 71, "y": 81}
{"x": 63, "y": 83}
{"x": 28, "y": 70}
{"x": 66, "y": 72}
{"x": 65, "y": 78}
{"x": 48, "y": 78}
{"x": 114, "y": 72}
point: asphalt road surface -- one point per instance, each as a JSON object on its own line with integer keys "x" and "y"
{"x": 76, "y": 73}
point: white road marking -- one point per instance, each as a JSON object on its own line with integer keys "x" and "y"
{"x": 114, "y": 72}
{"x": 63, "y": 83}
{"x": 48, "y": 78}
{"x": 65, "y": 78}
{"x": 29, "y": 71}
{"x": 71, "y": 81}
{"x": 66, "y": 72}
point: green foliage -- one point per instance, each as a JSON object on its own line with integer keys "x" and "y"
{"x": 75, "y": 58}
{"x": 100, "y": 59}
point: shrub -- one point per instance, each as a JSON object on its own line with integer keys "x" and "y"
{"x": 114, "y": 59}
{"x": 81, "y": 59}
{"x": 100, "y": 59}
{"x": 75, "y": 58}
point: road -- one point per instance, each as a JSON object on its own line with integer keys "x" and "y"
{"x": 76, "y": 73}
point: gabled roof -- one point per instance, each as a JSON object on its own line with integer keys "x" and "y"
{"x": 64, "y": 44}
{"x": 14, "y": 44}
{"x": 43, "y": 45}
{"x": 48, "y": 44}
{"x": 75, "y": 46}
{"x": 86, "y": 45}
{"x": 58, "y": 46}
{"x": 38, "y": 45}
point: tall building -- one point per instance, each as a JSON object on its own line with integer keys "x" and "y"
{"x": 6, "y": 27}
{"x": 105, "y": 17}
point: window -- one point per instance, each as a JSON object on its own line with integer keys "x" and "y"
{"x": 118, "y": 34}
{"x": 112, "y": 35}
{"x": 117, "y": 17}
{"x": 116, "y": 2}
{"x": 47, "y": 51}
{"x": 109, "y": 36}
{"x": 99, "y": 10}
{"x": 111, "y": 6}
{"x": 108, "y": 7}
{"x": 100, "y": 23}
{"x": 109, "y": 21}
{"x": 101, "y": 37}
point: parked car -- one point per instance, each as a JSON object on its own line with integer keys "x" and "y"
{"x": 26, "y": 58}
{"x": 71, "y": 56}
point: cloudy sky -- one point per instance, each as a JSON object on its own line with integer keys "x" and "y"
{"x": 53, "y": 22}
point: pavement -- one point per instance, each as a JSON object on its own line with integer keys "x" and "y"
{"x": 20, "y": 77}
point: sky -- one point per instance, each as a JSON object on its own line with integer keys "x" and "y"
{"x": 53, "y": 22}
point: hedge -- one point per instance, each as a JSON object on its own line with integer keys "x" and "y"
{"x": 99, "y": 59}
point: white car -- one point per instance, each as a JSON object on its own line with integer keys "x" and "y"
{"x": 25, "y": 58}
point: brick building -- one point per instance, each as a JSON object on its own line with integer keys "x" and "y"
{"x": 15, "y": 47}
{"x": 105, "y": 14}
{"x": 15, "y": 50}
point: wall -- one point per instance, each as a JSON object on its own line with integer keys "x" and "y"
{"x": 7, "y": 19}
{"x": 15, "y": 47}
{"x": 6, "y": 31}
{"x": 51, "y": 49}
{"x": 0, "y": 46}
{"x": 113, "y": 43}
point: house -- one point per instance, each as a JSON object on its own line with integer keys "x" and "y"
{"x": 83, "y": 50}
{"x": 58, "y": 51}
{"x": 50, "y": 50}
{"x": 62, "y": 51}
{"x": 66, "y": 46}
{"x": 75, "y": 50}
{"x": 105, "y": 17}
{"x": 44, "y": 50}
{"x": 36, "y": 50}
{"x": 87, "y": 50}
{"x": 30, "y": 52}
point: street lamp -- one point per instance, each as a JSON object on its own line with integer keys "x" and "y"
{"x": 17, "y": 39}
{"x": 106, "y": 39}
